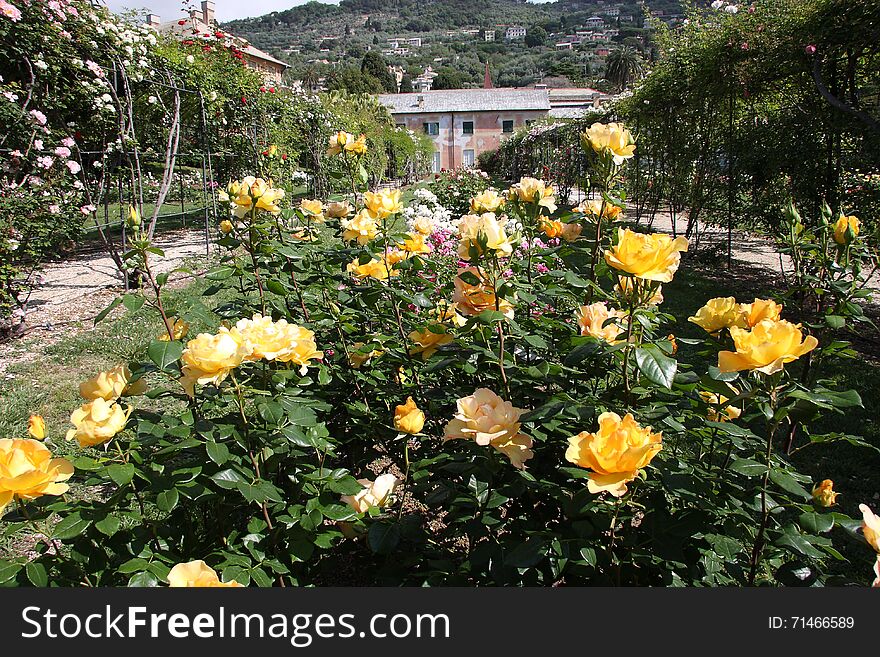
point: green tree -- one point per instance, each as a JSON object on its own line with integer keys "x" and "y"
{"x": 406, "y": 84}
{"x": 623, "y": 67}
{"x": 354, "y": 81}
{"x": 448, "y": 78}
{"x": 535, "y": 37}
{"x": 373, "y": 64}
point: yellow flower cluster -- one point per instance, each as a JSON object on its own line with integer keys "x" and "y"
{"x": 250, "y": 194}
{"x": 487, "y": 419}
{"x": 361, "y": 228}
{"x": 473, "y": 299}
{"x": 609, "y": 140}
{"x": 553, "y": 228}
{"x": 101, "y": 417}
{"x": 593, "y": 208}
{"x": 28, "y": 471}
{"x": 484, "y": 234}
{"x": 724, "y": 313}
{"x": 652, "y": 257}
{"x": 601, "y": 322}
{"x": 345, "y": 143}
{"x": 487, "y": 201}
{"x": 533, "y": 190}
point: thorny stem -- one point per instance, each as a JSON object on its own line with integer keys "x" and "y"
{"x": 759, "y": 538}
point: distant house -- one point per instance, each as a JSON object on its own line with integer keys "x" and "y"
{"x": 202, "y": 26}
{"x": 466, "y": 122}
{"x": 594, "y": 22}
{"x": 573, "y": 102}
{"x": 488, "y": 35}
{"x": 613, "y": 12}
{"x": 515, "y": 32}
{"x": 564, "y": 45}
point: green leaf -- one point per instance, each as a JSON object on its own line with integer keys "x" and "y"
{"x": 835, "y": 321}
{"x": 121, "y": 473}
{"x": 383, "y": 537}
{"x": 70, "y": 526}
{"x": 816, "y": 523}
{"x": 143, "y": 579}
{"x": 748, "y": 467}
{"x": 164, "y": 353}
{"x": 217, "y": 452}
{"x": 133, "y": 302}
{"x": 101, "y": 315}
{"x": 536, "y": 341}
{"x": 527, "y": 553}
{"x": 788, "y": 483}
{"x": 108, "y": 525}
{"x": 8, "y": 570}
{"x": 228, "y": 479}
{"x": 36, "y": 573}
{"x": 589, "y": 555}
{"x": 799, "y": 544}
{"x": 656, "y": 366}
{"x": 271, "y": 412}
{"x": 167, "y": 499}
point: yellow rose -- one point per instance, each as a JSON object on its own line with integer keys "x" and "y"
{"x": 550, "y": 227}
{"x": 357, "y": 357}
{"x": 823, "y": 494}
{"x": 356, "y": 146}
{"x": 97, "y": 421}
{"x": 428, "y": 341}
{"x": 611, "y": 140}
{"x": 415, "y": 243}
{"x": 268, "y": 200}
{"x": 632, "y": 289}
{"x": 226, "y": 226}
{"x": 37, "y": 427}
{"x": 209, "y": 358}
{"x": 446, "y": 313}
{"x": 758, "y": 311}
{"x": 474, "y": 228}
{"x": 423, "y": 225}
{"x": 279, "y": 341}
{"x": 766, "y": 348}
{"x": 339, "y": 209}
{"x": 179, "y": 328}
{"x": 571, "y": 231}
{"x": 374, "y": 495}
{"x": 111, "y": 384}
{"x": 197, "y": 574}
{"x": 593, "y": 208}
{"x": 593, "y": 320}
{"x": 338, "y": 141}
{"x": 408, "y": 418}
{"x": 489, "y": 420}
{"x": 134, "y": 217}
{"x": 312, "y": 208}
{"x": 487, "y": 201}
{"x": 870, "y": 527}
{"x": 719, "y": 313}
{"x": 384, "y": 203}
{"x": 27, "y": 471}
{"x": 615, "y": 453}
{"x": 375, "y": 268}
{"x": 394, "y": 256}
{"x": 653, "y": 257}
{"x": 533, "y": 190}
{"x": 846, "y": 229}
{"x": 715, "y": 401}
{"x": 474, "y": 299}
{"x": 362, "y": 227}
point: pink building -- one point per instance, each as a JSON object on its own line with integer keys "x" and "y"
{"x": 466, "y": 122}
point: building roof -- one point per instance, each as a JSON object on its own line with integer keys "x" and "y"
{"x": 466, "y": 100}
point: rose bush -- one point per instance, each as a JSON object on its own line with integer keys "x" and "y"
{"x": 497, "y": 407}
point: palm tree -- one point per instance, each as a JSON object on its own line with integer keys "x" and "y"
{"x": 623, "y": 67}
{"x": 311, "y": 78}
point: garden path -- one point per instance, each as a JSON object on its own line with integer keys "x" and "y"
{"x": 72, "y": 291}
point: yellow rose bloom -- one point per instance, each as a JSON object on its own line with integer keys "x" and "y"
{"x": 28, "y": 471}
{"x": 870, "y": 527}
{"x": 375, "y": 268}
{"x": 179, "y": 328}
{"x": 471, "y": 228}
{"x": 37, "y": 427}
{"x": 428, "y": 342}
{"x": 447, "y": 313}
{"x": 846, "y": 229}
{"x": 719, "y": 313}
{"x": 474, "y": 299}
{"x": 226, "y": 226}
{"x": 408, "y": 418}
{"x": 489, "y": 420}
{"x": 533, "y": 190}
{"x": 97, "y": 421}
{"x": 197, "y": 574}
{"x": 338, "y": 141}
{"x": 278, "y": 341}
{"x": 415, "y": 243}
{"x": 111, "y": 384}
{"x": 356, "y": 146}
{"x": 824, "y": 495}
{"x": 653, "y": 257}
{"x": 766, "y": 348}
{"x": 593, "y": 321}
{"x": 209, "y": 358}
{"x": 384, "y": 203}
{"x": 268, "y": 200}
{"x": 571, "y": 231}
{"x": 714, "y": 401}
{"x": 487, "y": 201}
{"x": 758, "y": 311}
{"x": 550, "y": 227}
{"x": 423, "y": 225}
{"x": 593, "y": 208}
{"x": 615, "y": 453}
{"x": 374, "y": 495}
{"x": 609, "y": 140}
{"x": 339, "y": 209}
{"x": 358, "y": 358}
{"x": 362, "y": 228}
{"x": 312, "y": 208}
